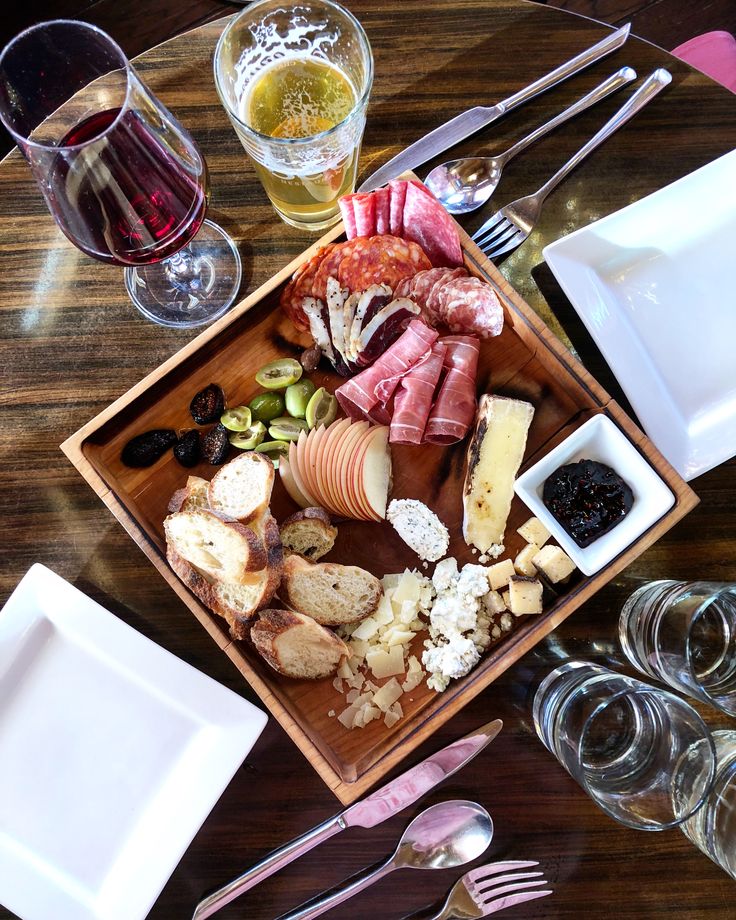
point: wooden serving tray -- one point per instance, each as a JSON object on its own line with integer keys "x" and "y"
{"x": 525, "y": 361}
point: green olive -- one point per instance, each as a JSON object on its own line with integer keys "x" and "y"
{"x": 287, "y": 429}
{"x": 279, "y": 374}
{"x": 274, "y": 450}
{"x": 250, "y": 438}
{"x": 297, "y": 397}
{"x": 237, "y": 419}
{"x": 321, "y": 409}
{"x": 267, "y": 406}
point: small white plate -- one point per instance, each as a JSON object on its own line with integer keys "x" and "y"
{"x": 599, "y": 439}
{"x": 112, "y": 754}
{"x": 654, "y": 285}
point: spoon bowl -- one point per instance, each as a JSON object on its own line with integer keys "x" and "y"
{"x": 444, "y": 835}
{"x": 464, "y": 185}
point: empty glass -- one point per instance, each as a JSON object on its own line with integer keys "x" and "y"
{"x": 713, "y": 827}
{"x": 643, "y": 755}
{"x": 684, "y": 634}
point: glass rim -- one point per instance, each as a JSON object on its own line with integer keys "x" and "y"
{"x": 127, "y": 67}
{"x": 287, "y": 142}
{"x": 721, "y": 589}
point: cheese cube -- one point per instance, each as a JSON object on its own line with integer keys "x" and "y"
{"x": 525, "y": 595}
{"x": 554, "y": 563}
{"x": 500, "y": 574}
{"x": 506, "y": 599}
{"x": 386, "y": 664}
{"x": 534, "y": 531}
{"x": 523, "y": 562}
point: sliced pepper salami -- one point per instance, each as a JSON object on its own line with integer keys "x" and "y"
{"x": 379, "y": 260}
{"x": 300, "y": 287}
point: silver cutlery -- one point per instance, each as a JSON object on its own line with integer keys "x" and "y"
{"x": 489, "y": 889}
{"x": 467, "y": 123}
{"x": 464, "y": 185}
{"x": 442, "y": 836}
{"x": 509, "y": 227}
{"x": 385, "y": 802}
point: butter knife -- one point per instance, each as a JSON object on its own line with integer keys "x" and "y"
{"x": 467, "y": 123}
{"x": 387, "y": 801}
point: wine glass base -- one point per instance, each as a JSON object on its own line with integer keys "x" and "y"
{"x": 194, "y": 287}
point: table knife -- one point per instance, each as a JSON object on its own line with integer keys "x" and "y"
{"x": 467, "y": 123}
{"x": 387, "y": 801}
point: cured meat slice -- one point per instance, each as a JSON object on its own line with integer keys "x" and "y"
{"x": 427, "y": 223}
{"x": 364, "y": 207}
{"x": 434, "y": 300}
{"x": 383, "y": 210}
{"x": 348, "y": 215}
{"x": 403, "y": 288}
{"x": 471, "y": 305}
{"x": 384, "y": 328}
{"x": 375, "y": 385}
{"x": 413, "y": 398}
{"x": 369, "y": 303}
{"x": 379, "y": 260}
{"x": 397, "y": 197}
{"x": 300, "y": 287}
{"x": 454, "y": 409}
{"x": 423, "y": 282}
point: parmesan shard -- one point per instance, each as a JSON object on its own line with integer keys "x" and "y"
{"x": 494, "y": 457}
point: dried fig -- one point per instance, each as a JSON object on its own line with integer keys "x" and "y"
{"x": 208, "y": 405}
{"x": 216, "y": 444}
{"x": 187, "y": 449}
{"x": 145, "y": 449}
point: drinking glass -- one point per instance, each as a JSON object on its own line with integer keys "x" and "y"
{"x": 713, "y": 827}
{"x": 294, "y": 80}
{"x": 684, "y": 634}
{"x": 643, "y": 755}
{"x": 123, "y": 179}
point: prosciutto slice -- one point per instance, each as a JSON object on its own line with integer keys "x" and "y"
{"x": 454, "y": 408}
{"x": 374, "y": 386}
{"x": 413, "y": 398}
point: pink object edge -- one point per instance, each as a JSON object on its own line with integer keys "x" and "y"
{"x": 714, "y": 54}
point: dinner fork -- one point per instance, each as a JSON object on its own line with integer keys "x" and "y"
{"x": 509, "y": 227}
{"x": 483, "y": 891}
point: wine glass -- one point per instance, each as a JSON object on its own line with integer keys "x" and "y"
{"x": 123, "y": 179}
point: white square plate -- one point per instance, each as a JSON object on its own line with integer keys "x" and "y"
{"x": 654, "y": 284}
{"x": 112, "y": 754}
{"x": 599, "y": 439}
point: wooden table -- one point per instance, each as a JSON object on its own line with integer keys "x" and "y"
{"x": 70, "y": 343}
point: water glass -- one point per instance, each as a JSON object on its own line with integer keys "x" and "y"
{"x": 684, "y": 634}
{"x": 642, "y": 754}
{"x": 294, "y": 80}
{"x": 713, "y": 827}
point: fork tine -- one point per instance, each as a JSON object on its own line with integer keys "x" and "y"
{"x": 492, "y": 907}
{"x": 507, "y": 889}
{"x": 498, "y": 232}
{"x": 491, "y": 247}
{"x": 511, "y": 243}
{"x": 511, "y": 877}
{"x": 488, "y": 226}
{"x": 477, "y": 875}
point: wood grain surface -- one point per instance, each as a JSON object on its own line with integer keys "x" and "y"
{"x": 70, "y": 343}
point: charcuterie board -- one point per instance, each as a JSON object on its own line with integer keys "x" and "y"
{"x": 526, "y": 361}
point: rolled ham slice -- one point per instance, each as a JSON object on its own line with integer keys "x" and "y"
{"x": 413, "y": 398}
{"x": 374, "y": 386}
{"x": 454, "y": 409}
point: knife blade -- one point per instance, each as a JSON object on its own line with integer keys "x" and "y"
{"x": 387, "y": 801}
{"x": 472, "y": 120}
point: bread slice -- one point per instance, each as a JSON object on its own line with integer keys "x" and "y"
{"x": 295, "y": 645}
{"x": 330, "y": 593}
{"x": 225, "y": 550}
{"x": 242, "y": 488}
{"x": 193, "y": 497}
{"x": 308, "y": 533}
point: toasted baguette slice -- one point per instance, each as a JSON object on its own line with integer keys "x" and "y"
{"x": 294, "y": 645}
{"x": 225, "y": 550}
{"x": 193, "y": 497}
{"x": 308, "y": 533}
{"x": 242, "y": 488}
{"x": 331, "y": 594}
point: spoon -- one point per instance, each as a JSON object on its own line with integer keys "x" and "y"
{"x": 464, "y": 185}
{"x": 442, "y": 836}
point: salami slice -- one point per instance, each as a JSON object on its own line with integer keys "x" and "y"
{"x": 434, "y": 299}
{"x": 427, "y": 223}
{"x": 413, "y": 398}
{"x": 403, "y": 288}
{"x": 379, "y": 260}
{"x": 365, "y": 214}
{"x": 374, "y": 386}
{"x": 300, "y": 287}
{"x": 471, "y": 305}
{"x": 454, "y": 409}
{"x": 383, "y": 210}
{"x": 397, "y": 196}
{"x": 348, "y": 216}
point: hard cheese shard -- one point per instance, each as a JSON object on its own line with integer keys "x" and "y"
{"x": 494, "y": 457}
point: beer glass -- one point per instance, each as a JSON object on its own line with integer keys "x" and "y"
{"x": 295, "y": 80}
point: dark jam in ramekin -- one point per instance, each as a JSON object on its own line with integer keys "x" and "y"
{"x": 588, "y": 498}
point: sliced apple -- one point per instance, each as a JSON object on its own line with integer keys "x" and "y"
{"x": 287, "y": 478}
{"x": 297, "y": 469}
{"x": 375, "y": 474}
{"x": 357, "y": 476}
{"x": 328, "y": 448}
{"x": 341, "y": 476}
{"x": 311, "y": 449}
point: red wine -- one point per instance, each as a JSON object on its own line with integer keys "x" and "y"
{"x": 128, "y": 196}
